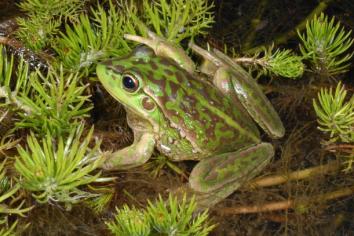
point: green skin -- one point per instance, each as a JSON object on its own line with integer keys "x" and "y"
{"x": 188, "y": 116}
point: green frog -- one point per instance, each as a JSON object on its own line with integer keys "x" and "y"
{"x": 207, "y": 114}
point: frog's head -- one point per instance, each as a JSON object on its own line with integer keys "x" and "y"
{"x": 126, "y": 79}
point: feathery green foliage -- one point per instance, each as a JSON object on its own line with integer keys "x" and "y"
{"x": 284, "y": 63}
{"x": 176, "y": 20}
{"x": 55, "y": 104}
{"x": 54, "y": 8}
{"x": 54, "y": 171}
{"x": 130, "y": 221}
{"x": 91, "y": 39}
{"x": 10, "y": 89}
{"x": 38, "y": 30}
{"x": 326, "y": 44}
{"x": 8, "y": 231}
{"x": 36, "y": 33}
{"x": 335, "y": 116}
{"x": 7, "y": 191}
{"x": 99, "y": 203}
{"x": 161, "y": 218}
{"x": 281, "y": 62}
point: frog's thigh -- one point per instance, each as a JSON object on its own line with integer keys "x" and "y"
{"x": 238, "y": 81}
{"x": 134, "y": 155}
{"x": 224, "y": 173}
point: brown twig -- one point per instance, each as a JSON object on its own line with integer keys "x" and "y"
{"x": 346, "y": 148}
{"x": 11, "y": 42}
{"x": 296, "y": 175}
{"x": 287, "y": 204}
{"x": 322, "y": 5}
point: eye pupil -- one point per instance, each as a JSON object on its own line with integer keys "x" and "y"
{"x": 130, "y": 83}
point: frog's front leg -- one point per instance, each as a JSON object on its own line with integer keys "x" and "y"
{"x": 134, "y": 155}
{"x": 215, "y": 178}
{"x": 163, "y": 47}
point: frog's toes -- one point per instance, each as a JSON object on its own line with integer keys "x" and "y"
{"x": 107, "y": 163}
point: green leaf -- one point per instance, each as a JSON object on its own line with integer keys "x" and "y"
{"x": 335, "y": 115}
{"x": 55, "y": 169}
{"x": 325, "y": 44}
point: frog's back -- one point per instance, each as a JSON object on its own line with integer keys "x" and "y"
{"x": 199, "y": 112}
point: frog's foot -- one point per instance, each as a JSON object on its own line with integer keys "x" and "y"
{"x": 215, "y": 178}
{"x": 162, "y": 47}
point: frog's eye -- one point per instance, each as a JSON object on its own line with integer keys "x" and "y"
{"x": 130, "y": 83}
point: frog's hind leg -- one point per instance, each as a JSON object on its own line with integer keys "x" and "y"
{"x": 215, "y": 178}
{"x": 232, "y": 79}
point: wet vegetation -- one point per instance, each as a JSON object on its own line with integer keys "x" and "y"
{"x": 57, "y": 122}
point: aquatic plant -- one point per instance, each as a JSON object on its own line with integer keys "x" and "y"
{"x": 7, "y": 191}
{"x": 335, "y": 114}
{"x": 44, "y": 17}
{"x": 129, "y": 221}
{"x": 10, "y": 87}
{"x": 91, "y": 39}
{"x": 177, "y": 19}
{"x": 54, "y": 170}
{"x": 66, "y": 9}
{"x": 283, "y": 63}
{"x": 55, "y": 103}
{"x": 8, "y": 231}
{"x": 325, "y": 44}
{"x": 99, "y": 35}
{"x": 169, "y": 217}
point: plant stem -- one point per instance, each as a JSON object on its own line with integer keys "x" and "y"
{"x": 255, "y": 24}
{"x": 287, "y": 204}
{"x": 296, "y": 175}
{"x": 12, "y": 98}
{"x": 291, "y": 33}
{"x": 11, "y": 42}
{"x": 250, "y": 60}
{"x": 346, "y": 148}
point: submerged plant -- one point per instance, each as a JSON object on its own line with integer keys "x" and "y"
{"x": 54, "y": 8}
{"x": 280, "y": 62}
{"x": 35, "y": 34}
{"x": 326, "y": 45}
{"x": 54, "y": 171}
{"x": 130, "y": 221}
{"x": 10, "y": 87}
{"x": 161, "y": 218}
{"x": 56, "y": 103}
{"x": 8, "y": 231}
{"x": 44, "y": 19}
{"x": 178, "y": 19}
{"x": 335, "y": 115}
{"x": 91, "y": 39}
{"x": 7, "y": 191}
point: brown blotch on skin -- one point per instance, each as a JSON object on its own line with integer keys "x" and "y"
{"x": 153, "y": 65}
{"x": 167, "y": 61}
{"x": 116, "y": 68}
{"x": 148, "y": 104}
{"x": 108, "y": 63}
{"x": 168, "y": 72}
{"x": 179, "y": 76}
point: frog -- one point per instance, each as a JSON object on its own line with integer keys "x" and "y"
{"x": 210, "y": 114}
